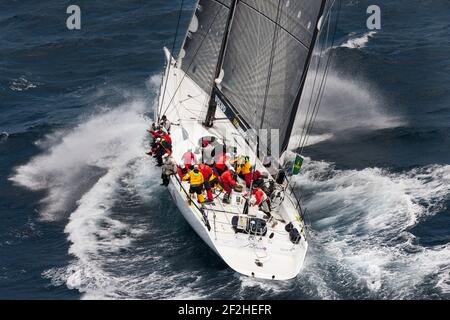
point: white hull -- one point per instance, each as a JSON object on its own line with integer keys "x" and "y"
{"x": 260, "y": 257}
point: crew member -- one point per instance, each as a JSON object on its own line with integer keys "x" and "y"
{"x": 162, "y": 147}
{"x": 228, "y": 182}
{"x": 220, "y": 164}
{"x": 165, "y": 123}
{"x": 208, "y": 176}
{"x": 243, "y": 169}
{"x": 196, "y": 181}
{"x": 189, "y": 159}
{"x": 165, "y": 135}
{"x": 259, "y": 198}
{"x": 169, "y": 168}
{"x": 208, "y": 152}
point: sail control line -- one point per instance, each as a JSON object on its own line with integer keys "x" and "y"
{"x": 171, "y": 53}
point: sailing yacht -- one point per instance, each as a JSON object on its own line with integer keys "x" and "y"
{"x": 242, "y": 69}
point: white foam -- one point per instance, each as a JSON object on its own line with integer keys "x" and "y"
{"x": 347, "y": 104}
{"x": 358, "y": 41}
{"x": 105, "y": 261}
{"x": 103, "y": 141}
{"x": 22, "y": 84}
{"x": 351, "y": 103}
{"x": 362, "y": 220}
{"x": 4, "y": 136}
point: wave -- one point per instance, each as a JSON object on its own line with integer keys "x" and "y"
{"x": 127, "y": 241}
{"x": 98, "y": 175}
{"x": 358, "y": 41}
{"x": 362, "y": 243}
{"x": 22, "y": 84}
{"x": 4, "y": 136}
{"x": 102, "y": 142}
{"x": 347, "y": 104}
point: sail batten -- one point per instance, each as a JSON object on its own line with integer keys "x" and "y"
{"x": 267, "y": 58}
{"x": 201, "y": 49}
{"x": 260, "y": 50}
{"x": 279, "y": 25}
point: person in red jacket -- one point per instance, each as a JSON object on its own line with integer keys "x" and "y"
{"x": 164, "y": 135}
{"x": 220, "y": 164}
{"x": 207, "y": 175}
{"x": 162, "y": 147}
{"x": 227, "y": 182}
{"x": 156, "y": 132}
{"x": 259, "y": 198}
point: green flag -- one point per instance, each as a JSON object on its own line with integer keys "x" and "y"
{"x": 297, "y": 165}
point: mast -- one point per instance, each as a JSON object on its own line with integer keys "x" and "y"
{"x": 212, "y": 105}
{"x": 303, "y": 80}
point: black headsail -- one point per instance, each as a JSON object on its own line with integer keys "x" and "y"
{"x": 264, "y": 63}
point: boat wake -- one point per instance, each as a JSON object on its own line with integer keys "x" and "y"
{"x": 127, "y": 239}
{"x": 362, "y": 242}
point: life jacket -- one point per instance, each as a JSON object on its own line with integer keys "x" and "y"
{"x": 205, "y": 170}
{"x": 165, "y": 136}
{"x": 227, "y": 177}
{"x": 221, "y": 161}
{"x": 256, "y": 175}
{"x": 242, "y": 165}
{"x": 156, "y": 134}
{"x": 260, "y": 196}
{"x": 163, "y": 147}
{"x": 195, "y": 177}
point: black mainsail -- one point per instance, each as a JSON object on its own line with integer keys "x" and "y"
{"x": 260, "y": 50}
{"x": 199, "y": 55}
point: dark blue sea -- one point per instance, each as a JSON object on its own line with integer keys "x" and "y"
{"x": 82, "y": 214}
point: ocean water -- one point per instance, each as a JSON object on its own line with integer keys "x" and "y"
{"x": 83, "y": 215}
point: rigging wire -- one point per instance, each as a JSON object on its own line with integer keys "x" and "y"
{"x": 308, "y": 110}
{"x": 323, "y": 83}
{"x": 193, "y": 59}
{"x": 304, "y": 137}
{"x": 171, "y": 53}
{"x": 274, "y": 41}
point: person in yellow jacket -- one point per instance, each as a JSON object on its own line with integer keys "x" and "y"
{"x": 243, "y": 169}
{"x": 196, "y": 180}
